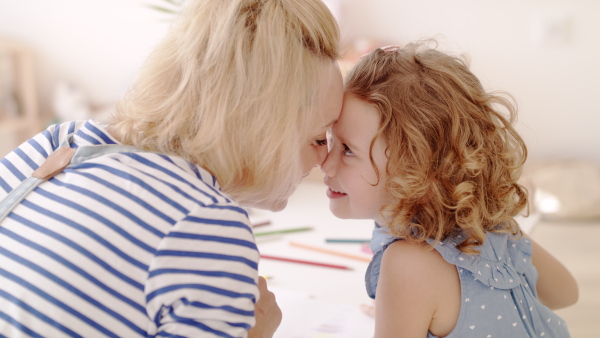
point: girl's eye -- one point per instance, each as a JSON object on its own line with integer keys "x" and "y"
{"x": 322, "y": 142}
{"x": 346, "y": 151}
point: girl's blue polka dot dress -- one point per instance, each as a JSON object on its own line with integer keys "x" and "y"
{"x": 498, "y": 287}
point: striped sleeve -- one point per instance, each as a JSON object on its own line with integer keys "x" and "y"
{"x": 202, "y": 280}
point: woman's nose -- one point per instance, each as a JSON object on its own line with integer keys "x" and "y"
{"x": 321, "y": 155}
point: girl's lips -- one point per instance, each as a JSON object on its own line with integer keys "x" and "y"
{"x": 334, "y": 194}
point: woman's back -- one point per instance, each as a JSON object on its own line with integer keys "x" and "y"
{"x": 102, "y": 247}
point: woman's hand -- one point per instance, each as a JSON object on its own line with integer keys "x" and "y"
{"x": 267, "y": 312}
{"x": 369, "y": 310}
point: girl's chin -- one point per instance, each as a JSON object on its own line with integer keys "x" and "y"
{"x": 338, "y": 211}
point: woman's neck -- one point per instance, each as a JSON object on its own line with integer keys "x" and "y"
{"x": 115, "y": 133}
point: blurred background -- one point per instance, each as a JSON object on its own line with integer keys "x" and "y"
{"x": 545, "y": 53}
{"x": 67, "y": 59}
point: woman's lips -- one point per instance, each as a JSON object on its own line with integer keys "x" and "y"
{"x": 334, "y": 194}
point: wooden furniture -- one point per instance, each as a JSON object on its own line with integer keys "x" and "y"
{"x": 19, "y": 113}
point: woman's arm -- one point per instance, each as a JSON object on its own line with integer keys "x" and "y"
{"x": 556, "y": 287}
{"x": 202, "y": 280}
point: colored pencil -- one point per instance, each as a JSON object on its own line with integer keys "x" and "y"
{"x": 331, "y": 252}
{"x": 269, "y": 238}
{"x": 346, "y": 240}
{"x": 292, "y": 260}
{"x": 282, "y": 231}
{"x": 366, "y": 248}
{"x": 260, "y": 224}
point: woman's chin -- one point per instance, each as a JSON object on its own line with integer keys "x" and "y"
{"x": 268, "y": 205}
{"x": 278, "y": 206}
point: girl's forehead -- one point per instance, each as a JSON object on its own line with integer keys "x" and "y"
{"x": 358, "y": 114}
{"x": 358, "y": 122}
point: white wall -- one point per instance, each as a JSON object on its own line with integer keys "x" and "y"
{"x": 98, "y": 46}
{"x": 556, "y": 81}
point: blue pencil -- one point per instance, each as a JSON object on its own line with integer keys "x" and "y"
{"x": 346, "y": 240}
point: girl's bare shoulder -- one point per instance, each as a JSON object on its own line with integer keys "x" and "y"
{"x": 414, "y": 258}
{"x": 422, "y": 279}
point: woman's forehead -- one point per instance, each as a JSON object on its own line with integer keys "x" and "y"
{"x": 330, "y": 95}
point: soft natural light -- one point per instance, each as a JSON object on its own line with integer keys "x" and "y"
{"x": 547, "y": 203}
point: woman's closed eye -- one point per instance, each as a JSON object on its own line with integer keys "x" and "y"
{"x": 321, "y": 142}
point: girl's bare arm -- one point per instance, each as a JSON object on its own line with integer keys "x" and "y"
{"x": 556, "y": 286}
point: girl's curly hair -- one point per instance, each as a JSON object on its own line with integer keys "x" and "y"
{"x": 454, "y": 156}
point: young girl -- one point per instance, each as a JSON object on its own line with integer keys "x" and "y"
{"x": 425, "y": 151}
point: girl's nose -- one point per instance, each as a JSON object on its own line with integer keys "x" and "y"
{"x": 328, "y": 165}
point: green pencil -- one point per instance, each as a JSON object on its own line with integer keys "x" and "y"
{"x": 282, "y": 231}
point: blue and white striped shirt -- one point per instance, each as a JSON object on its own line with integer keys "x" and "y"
{"x": 124, "y": 245}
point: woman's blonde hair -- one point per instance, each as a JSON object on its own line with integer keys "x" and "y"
{"x": 233, "y": 88}
{"x": 454, "y": 157}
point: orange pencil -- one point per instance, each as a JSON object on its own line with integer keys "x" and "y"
{"x": 329, "y": 251}
{"x": 293, "y": 260}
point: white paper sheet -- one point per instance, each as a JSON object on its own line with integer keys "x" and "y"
{"x": 304, "y": 317}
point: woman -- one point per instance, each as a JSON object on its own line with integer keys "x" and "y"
{"x": 144, "y": 233}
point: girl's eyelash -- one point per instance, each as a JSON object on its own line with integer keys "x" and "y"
{"x": 322, "y": 142}
{"x": 346, "y": 151}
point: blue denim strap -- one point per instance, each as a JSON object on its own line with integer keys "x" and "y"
{"x": 17, "y": 195}
{"x": 82, "y": 154}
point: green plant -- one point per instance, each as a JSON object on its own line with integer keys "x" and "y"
{"x": 168, "y": 6}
